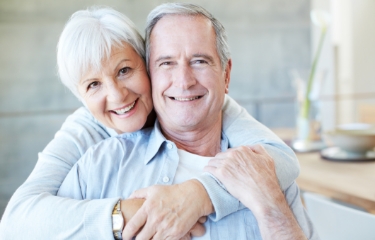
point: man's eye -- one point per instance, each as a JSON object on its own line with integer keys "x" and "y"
{"x": 124, "y": 70}
{"x": 165, "y": 63}
{"x": 200, "y": 61}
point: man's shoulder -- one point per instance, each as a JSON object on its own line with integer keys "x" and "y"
{"x": 143, "y": 134}
{"x": 122, "y": 144}
{"x": 117, "y": 150}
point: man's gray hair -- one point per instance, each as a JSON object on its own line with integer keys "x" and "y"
{"x": 187, "y": 9}
{"x": 88, "y": 38}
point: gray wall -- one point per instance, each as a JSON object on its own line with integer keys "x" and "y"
{"x": 268, "y": 38}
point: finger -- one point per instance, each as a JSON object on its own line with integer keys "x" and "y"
{"x": 140, "y": 193}
{"x": 198, "y": 230}
{"x": 186, "y": 237}
{"x": 202, "y": 219}
{"x": 215, "y": 162}
{"x": 224, "y": 155}
{"x": 257, "y": 148}
{"x": 147, "y": 233}
{"x": 226, "y": 151}
{"x": 134, "y": 225}
{"x": 210, "y": 169}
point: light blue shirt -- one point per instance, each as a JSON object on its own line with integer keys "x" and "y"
{"x": 36, "y": 209}
{"x": 120, "y": 165}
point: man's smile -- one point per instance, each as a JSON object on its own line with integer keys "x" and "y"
{"x": 185, "y": 99}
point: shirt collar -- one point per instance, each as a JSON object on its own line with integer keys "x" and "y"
{"x": 224, "y": 144}
{"x": 155, "y": 142}
{"x": 157, "y": 139}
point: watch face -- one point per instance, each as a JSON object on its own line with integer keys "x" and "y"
{"x": 117, "y": 222}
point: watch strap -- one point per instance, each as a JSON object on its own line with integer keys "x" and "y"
{"x": 117, "y": 221}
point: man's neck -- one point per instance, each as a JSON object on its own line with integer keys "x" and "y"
{"x": 204, "y": 141}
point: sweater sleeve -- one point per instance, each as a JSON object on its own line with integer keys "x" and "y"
{"x": 55, "y": 217}
{"x": 242, "y": 129}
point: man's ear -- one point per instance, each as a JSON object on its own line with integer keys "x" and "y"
{"x": 228, "y": 69}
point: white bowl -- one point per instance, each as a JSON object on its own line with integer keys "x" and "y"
{"x": 358, "y": 140}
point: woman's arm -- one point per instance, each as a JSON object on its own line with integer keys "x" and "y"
{"x": 255, "y": 184}
{"x": 34, "y": 212}
{"x": 242, "y": 129}
{"x": 83, "y": 181}
{"x": 213, "y": 199}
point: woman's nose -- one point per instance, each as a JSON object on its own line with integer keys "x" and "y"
{"x": 116, "y": 91}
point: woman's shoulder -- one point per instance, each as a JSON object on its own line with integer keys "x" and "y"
{"x": 80, "y": 114}
{"x": 81, "y": 121}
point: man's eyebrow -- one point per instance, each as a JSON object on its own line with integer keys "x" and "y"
{"x": 205, "y": 56}
{"x": 161, "y": 58}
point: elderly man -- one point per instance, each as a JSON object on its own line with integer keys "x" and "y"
{"x": 169, "y": 211}
{"x": 190, "y": 72}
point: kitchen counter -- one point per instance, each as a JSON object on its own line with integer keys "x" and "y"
{"x": 350, "y": 182}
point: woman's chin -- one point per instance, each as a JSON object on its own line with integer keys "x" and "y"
{"x": 130, "y": 126}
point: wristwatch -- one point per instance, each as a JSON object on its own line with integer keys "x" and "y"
{"x": 117, "y": 221}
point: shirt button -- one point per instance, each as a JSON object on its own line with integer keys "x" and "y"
{"x": 165, "y": 179}
{"x": 169, "y": 146}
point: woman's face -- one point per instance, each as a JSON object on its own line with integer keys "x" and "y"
{"x": 119, "y": 95}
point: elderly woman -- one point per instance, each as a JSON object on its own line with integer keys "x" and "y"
{"x": 101, "y": 60}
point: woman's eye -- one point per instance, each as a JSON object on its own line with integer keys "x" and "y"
{"x": 93, "y": 85}
{"x": 124, "y": 70}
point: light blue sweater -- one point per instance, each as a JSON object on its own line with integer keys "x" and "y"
{"x": 34, "y": 212}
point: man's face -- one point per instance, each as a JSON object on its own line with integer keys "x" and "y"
{"x": 188, "y": 82}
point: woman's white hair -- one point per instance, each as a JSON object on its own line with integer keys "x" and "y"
{"x": 87, "y": 39}
{"x": 193, "y": 10}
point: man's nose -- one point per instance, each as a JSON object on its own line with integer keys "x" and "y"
{"x": 184, "y": 77}
{"x": 116, "y": 91}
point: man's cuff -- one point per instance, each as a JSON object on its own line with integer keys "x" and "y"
{"x": 223, "y": 202}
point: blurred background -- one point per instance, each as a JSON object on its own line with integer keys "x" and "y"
{"x": 269, "y": 40}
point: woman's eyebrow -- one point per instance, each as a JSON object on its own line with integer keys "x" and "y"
{"x": 87, "y": 80}
{"x": 120, "y": 62}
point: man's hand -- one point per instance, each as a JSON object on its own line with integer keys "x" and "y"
{"x": 169, "y": 212}
{"x": 198, "y": 229}
{"x": 249, "y": 174}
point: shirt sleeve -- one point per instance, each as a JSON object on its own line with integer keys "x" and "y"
{"x": 74, "y": 185}
{"x": 55, "y": 217}
{"x": 292, "y": 196}
{"x": 242, "y": 129}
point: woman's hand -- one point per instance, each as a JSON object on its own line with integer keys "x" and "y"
{"x": 129, "y": 207}
{"x": 169, "y": 212}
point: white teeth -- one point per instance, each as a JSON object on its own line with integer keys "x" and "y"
{"x": 124, "y": 110}
{"x": 185, "y": 99}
